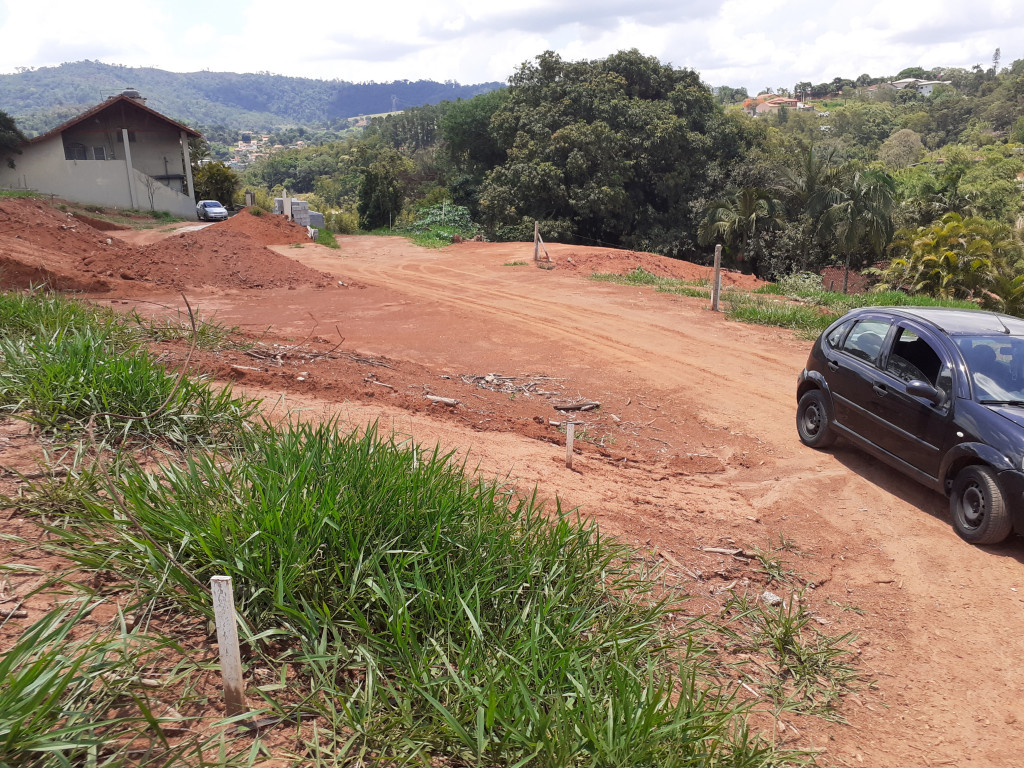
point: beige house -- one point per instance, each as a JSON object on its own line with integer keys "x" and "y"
{"x": 119, "y": 154}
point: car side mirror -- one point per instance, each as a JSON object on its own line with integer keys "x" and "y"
{"x": 924, "y": 390}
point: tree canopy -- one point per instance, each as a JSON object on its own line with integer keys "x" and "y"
{"x": 10, "y": 138}
{"x": 610, "y": 151}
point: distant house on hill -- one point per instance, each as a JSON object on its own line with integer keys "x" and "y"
{"x": 767, "y": 103}
{"x": 924, "y": 87}
{"x": 120, "y": 154}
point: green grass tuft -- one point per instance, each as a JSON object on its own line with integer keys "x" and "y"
{"x": 79, "y": 702}
{"x": 324, "y": 236}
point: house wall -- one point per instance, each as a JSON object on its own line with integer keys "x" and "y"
{"x": 42, "y": 167}
{"x": 155, "y": 152}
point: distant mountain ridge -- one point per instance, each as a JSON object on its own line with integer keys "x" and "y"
{"x": 42, "y": 98}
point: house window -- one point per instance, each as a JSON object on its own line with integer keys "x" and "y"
{"x": 75, "y": 151}
{"x": 99, "y": 153}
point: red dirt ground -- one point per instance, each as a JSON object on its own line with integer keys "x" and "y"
{"x": 694, "y": 445}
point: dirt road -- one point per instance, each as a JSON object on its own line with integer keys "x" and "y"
{"x": 695, "y": 445}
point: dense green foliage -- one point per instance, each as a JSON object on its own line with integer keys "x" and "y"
{"x": 44, "y": 97}
{"x": 609, "y": 151}
{"x": 215, "y": 181}
{"x": 10, "y": 137}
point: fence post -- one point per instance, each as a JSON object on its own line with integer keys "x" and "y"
{"x": 716, "y": 282}
{"x": 536, "y": 241}
{"x": 570, "y": 436}
{"x": 227, "y": 641}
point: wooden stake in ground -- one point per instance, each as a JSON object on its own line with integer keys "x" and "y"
{"x": 716, "y": 281}
{"x": 570, "y": 435}
{"x": 227, "y": 640}
{"x": 536, "y": 241}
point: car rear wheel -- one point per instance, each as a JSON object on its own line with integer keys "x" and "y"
{"x": 812, "y": 422}
{"x": 979, "y": 511}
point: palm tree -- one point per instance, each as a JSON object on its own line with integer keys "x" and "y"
{"x": 807, "y": 188}
{"x": 740, "y": 216}
{"x": 860, "y": 211}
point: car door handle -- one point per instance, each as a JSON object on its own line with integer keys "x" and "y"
{"x": 833, "y": 365}
{"x": 880, "y": 389}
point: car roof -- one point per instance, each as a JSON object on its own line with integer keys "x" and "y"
{"x": 957, "y": 322}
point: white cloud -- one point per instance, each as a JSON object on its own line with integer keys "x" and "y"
{"x": 737, "y": 42}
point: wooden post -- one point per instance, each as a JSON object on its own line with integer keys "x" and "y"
{"x": 227, "y": 641}
{"x": 570, "y": 436}
{"x": 536, "y": 241}
{"x": 716, "y": 281}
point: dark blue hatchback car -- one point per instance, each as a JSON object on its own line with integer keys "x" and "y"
{"x": 936, "y": 393}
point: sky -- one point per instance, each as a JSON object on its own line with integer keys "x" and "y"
{"x": 750, "y": 43}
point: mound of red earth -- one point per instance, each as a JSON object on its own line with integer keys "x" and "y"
{"x": 40, "y": 244}
{"x": 217, "y": 257}
{"x": 611, "y": 261}
{"x": 265, "y": 228}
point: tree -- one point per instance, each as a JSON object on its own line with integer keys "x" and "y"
{"x": 610, "y": 150}
{"x": 10, "y": 139}
{"x": 809, "y": 185}
{"x": 861, "y": 214}
{"x": 198, "y": 154}
{"x": 215, "y": 181}
{"x": 740, "y": 217}
{"x": 901, "y": 149}
{"x": 916, "y": 72}
{"x": 380, "y": 192}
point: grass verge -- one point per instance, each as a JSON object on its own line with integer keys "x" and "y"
{"x": 67, "y": 367}
{"x": 89, "y": 700}
{"x": 430, "y": 616}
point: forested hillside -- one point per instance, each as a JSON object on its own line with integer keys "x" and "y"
{"x": 42, "y": 98}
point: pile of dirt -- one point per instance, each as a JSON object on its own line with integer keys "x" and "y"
{"x": 40, "y": 244}
{"x": 612, "y": 261}
{"x": 211, "y": 257}
{"x": 266, "y": 228}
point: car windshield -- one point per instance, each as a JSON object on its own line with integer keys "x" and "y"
{"x": 996, "y": 364}
{"x": 213, "y": 204}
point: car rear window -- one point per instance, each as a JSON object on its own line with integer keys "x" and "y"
{"x": 866, "y": 339}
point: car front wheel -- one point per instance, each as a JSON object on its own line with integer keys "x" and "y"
{"x": 979, "y": 511}
{"x": 812, "y": 422}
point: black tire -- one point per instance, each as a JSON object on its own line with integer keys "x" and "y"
{"x": 978, "y": 508}
{"x": 812, "y": 422}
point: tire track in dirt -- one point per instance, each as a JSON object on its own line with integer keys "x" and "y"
{"x": 592, "y": 328}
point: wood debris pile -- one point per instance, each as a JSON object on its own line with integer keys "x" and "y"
{"x": 527, "y": 384}
{"x": 279, "y": 354}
